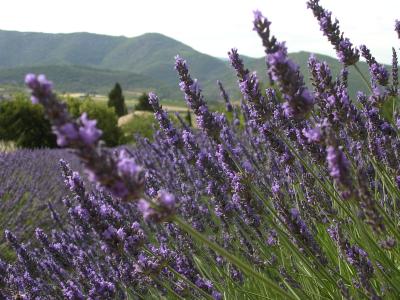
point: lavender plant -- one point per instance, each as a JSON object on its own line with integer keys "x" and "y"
{"x": 299, "y": 202}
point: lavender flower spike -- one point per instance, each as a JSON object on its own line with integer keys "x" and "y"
{"x": 395, "y": 74}
{"x": 121, "y": 176}
{"x": 195, "y": 99}
{"x": 170, "y": 131}
{"x": 378, "y": 71}
{"x": 344, "y": 48}
{"x": 284, "y": 72}
{"x": 225, "y": 96}
{"x": 338, "y": 165}
{"x": 261, "y": 25}
{"x": 397, "y": 27}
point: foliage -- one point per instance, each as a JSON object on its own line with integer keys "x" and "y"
{"x": 116, "y": 100}
{"x": 139, "y": 125}
{"x": 25, "y": 124}
{"x": 107, "y": 120}
{"x": 143, "y": 103}
{"x": 74, "y": 105}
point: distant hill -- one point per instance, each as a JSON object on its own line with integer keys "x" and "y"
{"x": 70, "y": 78}
{"x": 88, "y": 62}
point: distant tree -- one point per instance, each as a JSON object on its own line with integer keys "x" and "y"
{"x": 25, "y": 124}
{"x": 144, "y": 103}
{"x": 117, "y": 101}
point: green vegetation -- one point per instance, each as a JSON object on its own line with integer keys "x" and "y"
{"x": 83, "y": 79}
{"x": 24, "y": 124}
{"x": 107, "y": 120}
{"x": 116, "y": 100}
{"x": 143, "y": 103}
{"x": 140, "y": 124}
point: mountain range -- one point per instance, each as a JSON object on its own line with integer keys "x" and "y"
{"x": 92, "y": 63}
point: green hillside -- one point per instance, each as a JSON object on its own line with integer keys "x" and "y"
{"x": 86, "y": 79}
{"x": 81, "y": 62}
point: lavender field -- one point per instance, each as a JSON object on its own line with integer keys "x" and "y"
{"x": 293, "y": 194}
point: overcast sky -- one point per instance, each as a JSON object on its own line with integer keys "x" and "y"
{"x": 211, "y": 26}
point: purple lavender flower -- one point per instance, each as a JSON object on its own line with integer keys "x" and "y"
{"x": 397, "y": 28}
{"x": 394, "y": 90}
{"x": 40, "y": 84}
{"x": 313, "y": 135}
{"x": 161, "y": 209}
{"x": 261, "y": 25}
{"x": 121, "y": 176}
{"x": 338, "y": 165}
{"x": 173, "y": 137}
{"x": 195, "y": 99}
{"x": 225, "y": 96}
{"x": 344, "y": 48}
{"x": 286, "y": 74}
{"x": 378, "y": 71}
{"x": 88, "y": 132}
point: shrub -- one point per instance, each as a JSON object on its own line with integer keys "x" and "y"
{"x": 73, "y": 105}
{"x": 25, "y": 124}
{"x": 143, "y": 103}
{"x": 139, "y": 125}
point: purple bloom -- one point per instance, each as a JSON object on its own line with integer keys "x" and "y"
{"x": 285, "y": 72}
{"x": 65, "y": 134}
{"x": 394, "y": 90}
{"x": 126, "y": 165}
{"x": 39, "y": 83}
{"x": 166, "y": 125}
{"x": 195, "y": 99}
{"x": 123, "y": 180}
{"x": 397, "y": 28}
{"x": 344, "y": 49}
{"x": 338, "y": 165}
{"x": 378, "y": 71}
{"x": 261, "y": 25}
{"x": 225, "y": 96}
{"x": 162, "y": 208}
{"x": 88, "y": 131}
{"x": 313, "y": 135}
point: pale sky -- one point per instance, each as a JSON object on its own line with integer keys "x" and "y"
{"x": 211, "y": 26}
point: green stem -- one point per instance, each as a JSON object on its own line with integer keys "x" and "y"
{"x": 233, "y": 259}
{"x": 363, "y": 78}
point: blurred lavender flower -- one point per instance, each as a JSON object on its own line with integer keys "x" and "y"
{"x": 161, "y": 209}
{"x": 397, "y": 27}
{"x": 261, "y": 25}
{"x": 225, "y": 96}
{"x": 338, "y": 165}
